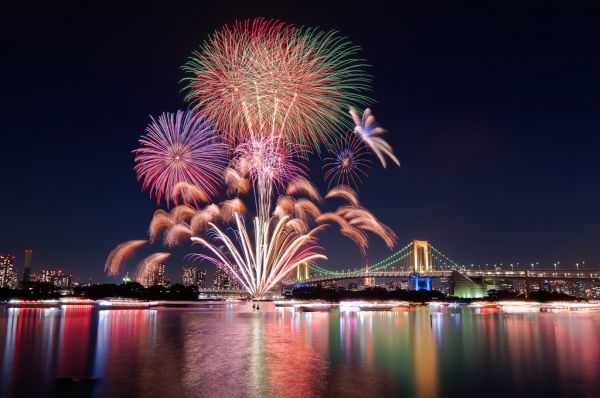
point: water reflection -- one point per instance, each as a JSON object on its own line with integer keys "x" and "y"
{"x": 234, "y": 351}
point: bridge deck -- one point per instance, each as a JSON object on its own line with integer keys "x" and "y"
{"x": 518, "y": 274}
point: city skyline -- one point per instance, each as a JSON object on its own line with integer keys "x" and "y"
{"x": 490, "y": 169}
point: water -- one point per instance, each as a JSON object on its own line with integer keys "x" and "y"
{"x": 231, "y": 351}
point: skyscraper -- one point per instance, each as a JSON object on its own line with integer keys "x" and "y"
{"x": 224, "y": 281}
{"x": 27, "y": 266}
{"x": 155, "y": 276}
{"x": 57, "y": 277}
{"x": 8, "y": 276}
{"x": 194, "y": 276}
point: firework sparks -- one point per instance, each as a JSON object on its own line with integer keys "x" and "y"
{"x": 161, "y": 221}
{"x": 210, "y": 213}
{"x": 268, "y": 161}
{"x": 363, "y": 219}
{"x": 177, "y": 235}
{"x": 188, "y": 193}
{"x": 347, "y": 163}
{"x": 343, "y": 192}
{"x": 371, "y": 133}
{"x": 260, "y": 262}
{"x": 301, "y": 185}
{"x": 182, "y": 213}
{"x": 119, "y": 255}
{"x": 236, "y": 183}
{"x": 178, "y": 148}
{"x": 264, "y": 77}
{"x": 230, "y": 208}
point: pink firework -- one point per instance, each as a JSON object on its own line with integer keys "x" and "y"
{"x": 180, "y": 148}
{"x": 347, "y": 164}
{"x": 270, "y": 159}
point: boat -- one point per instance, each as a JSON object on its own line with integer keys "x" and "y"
{"x": 313, "y": 307}
{"x": 371, "y": 306}
{"x": 76, "y": 301}
{"x": 124, "y": 304}
{"x": 32, "y": 303}
{"x": 519, "y": 307}
{"x": 287, "y": 303}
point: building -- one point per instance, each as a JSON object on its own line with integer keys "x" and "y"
{"x": 329, "y": 285}
{"x": 223, "y": 281}
{"x": 27, "y": 266}
{"x": 194, "y": 276}
{"x": 55, "y": 276}
{"x": 155, "y": 275}
{"x": 8, "y": 276}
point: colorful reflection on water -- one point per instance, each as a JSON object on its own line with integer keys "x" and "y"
{"x": 218, "y": 351}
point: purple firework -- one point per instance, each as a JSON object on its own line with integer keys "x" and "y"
{"x": 347, "y": 162}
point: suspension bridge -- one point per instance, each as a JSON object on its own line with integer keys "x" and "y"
{"x": 422, "y": 264}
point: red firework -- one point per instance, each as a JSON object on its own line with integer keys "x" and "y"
{"x": 264, "y": 77}
{"x": 180, "y": 148}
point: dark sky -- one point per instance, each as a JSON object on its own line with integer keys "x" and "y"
{"x": 493, "y": 110}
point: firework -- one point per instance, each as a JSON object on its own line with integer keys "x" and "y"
{"x": 236, "y": 183}
{"x": 182, "y": 213}
{"x": 119, "y": 255}
{"x": 361, "y": 218}
{"x": 177, "y": 235}
{"x": 188, "y": 193}
{"x": 211, "y": 213}
{"x": 161, "y": 221}
{"x": 264, "y": 77}
{"x": 230, "y": 208}
{"x": 276, "y": 93}
{"x": 301, "y": 185}
{"x": 371, "y": 133}
{"x": 258, "y": 263}
{"x": 343, "y": 192}
{"x": 347, "y": 162}
{"x": 355, "y": 234}
{"x": 269, "y": 163}
{"x": 178, "y": 148}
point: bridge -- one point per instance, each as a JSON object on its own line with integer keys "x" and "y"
{"x": 420, "y": 264}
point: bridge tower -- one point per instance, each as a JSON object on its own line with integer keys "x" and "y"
{"x": 421, "y": 258}
{"x": 302, "y": 272}
{"x": 368, "y": 281}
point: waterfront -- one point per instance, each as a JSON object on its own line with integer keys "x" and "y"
{"x": 230, "y": 350}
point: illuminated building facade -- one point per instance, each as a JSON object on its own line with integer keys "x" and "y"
{"x": 55, "y": 276}
{"x": 155, "y": 276}
{"x": 329, "y": 285}
{"x": 194, "y": 276}
{"x": 8, "y": 276}
{"x": 223, "y": 281}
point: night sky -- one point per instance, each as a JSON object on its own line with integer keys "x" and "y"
{"x": 493, "y": 111}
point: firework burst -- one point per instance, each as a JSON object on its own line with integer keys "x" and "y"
{"x": 261, "y": 261}
{"x": 371, "y": 134}
{"x": 276, "y": 92}
{"x": 264, "y": 77}
{"x": 180, "y": 148}
{"x": 347, "y": 163}
{"x": 119, "y": 255}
